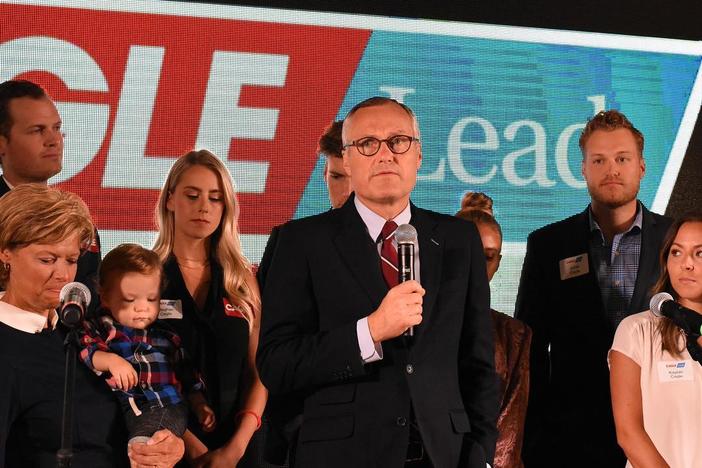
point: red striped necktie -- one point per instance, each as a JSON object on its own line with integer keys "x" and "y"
{"x": 388, "y": 254}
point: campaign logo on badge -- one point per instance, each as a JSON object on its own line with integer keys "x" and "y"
{"x": 232, "y": 310}
{"x": 675, "y": 371}
{"x": 572, "y": 267}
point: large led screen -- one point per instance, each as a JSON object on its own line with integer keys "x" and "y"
{"x": 500, "y": 108}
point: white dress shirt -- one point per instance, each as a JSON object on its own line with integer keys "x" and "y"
{"x": 371, "y": 351}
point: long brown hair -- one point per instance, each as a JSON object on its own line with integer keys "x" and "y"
{"x": 225, "y": 245}
{"x": 671, "y": 333}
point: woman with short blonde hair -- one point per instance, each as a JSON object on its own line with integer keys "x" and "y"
{"x": 37, "y": 215}
{"x": 42, "y": 234}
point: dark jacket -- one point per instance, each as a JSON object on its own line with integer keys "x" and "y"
{"x": 569, "y": 418}
{"x": 325, "y": 276}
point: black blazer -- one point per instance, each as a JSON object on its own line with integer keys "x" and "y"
{"x": 324, "y": 276}
{"x": 569, "y": 418}
{"x": 283, "y": 414}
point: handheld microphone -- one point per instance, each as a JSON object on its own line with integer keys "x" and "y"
{"x": 406, "y": 236}
{"x": 663, "y": 304}
{"x": 75, "y": 298}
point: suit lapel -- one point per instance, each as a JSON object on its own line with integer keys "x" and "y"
{"x": 648, "y": 263}
{"x": 359, "y": 252}
{"x": 430, "y": 255}
{"x": 581, "y": 236}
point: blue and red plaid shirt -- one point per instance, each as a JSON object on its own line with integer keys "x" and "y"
{"x": 155, "y": 353}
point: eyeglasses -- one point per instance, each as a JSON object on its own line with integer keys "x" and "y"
{"x": 397, "y": 144}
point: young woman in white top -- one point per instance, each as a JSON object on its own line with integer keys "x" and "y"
{"x": 656, "y": 385}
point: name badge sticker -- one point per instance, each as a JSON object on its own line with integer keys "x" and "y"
{"x": 675, "y": 371}
{"x": 170, "y": 309}
{"x": 572, "y": 267}
{"x": 231, "y": 310}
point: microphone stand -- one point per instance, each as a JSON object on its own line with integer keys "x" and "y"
{"x": 64, "y": 456}
{"x": 693, "y": 348}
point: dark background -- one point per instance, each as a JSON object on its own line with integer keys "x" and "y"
{"x": 674, "y": 19}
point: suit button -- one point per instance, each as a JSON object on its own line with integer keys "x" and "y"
{"x": 410, "y": 369}
{"x": 401, "y": 421}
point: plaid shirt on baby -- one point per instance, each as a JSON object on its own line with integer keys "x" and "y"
{"x": 155, "y": 353}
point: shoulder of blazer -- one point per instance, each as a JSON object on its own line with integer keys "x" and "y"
{"x": 578, "y": 223}
{"x": 658, "y": 222}
{"x": 433, "y": 221}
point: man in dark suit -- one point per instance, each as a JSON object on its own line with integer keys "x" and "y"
{"x": 283, "y": 415}
{"x": 581, "y": 277}
{"x": 333, "y": 322}
{"x": 31, "y": 151}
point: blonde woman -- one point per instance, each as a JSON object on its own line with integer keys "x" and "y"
{"x": 212, "y": 301}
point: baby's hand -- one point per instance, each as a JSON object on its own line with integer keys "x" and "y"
{"x": 206, "y": 417}
{"x": 202, "y": 410}
{"x": 124, "y": 376}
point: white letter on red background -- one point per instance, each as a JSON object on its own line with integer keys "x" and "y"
{"x": 85, "y": 124}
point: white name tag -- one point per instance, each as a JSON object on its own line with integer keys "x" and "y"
{"x": 170, "y": 309}
{"x": 675, "y": 371}
{"x": 574, "y": 266}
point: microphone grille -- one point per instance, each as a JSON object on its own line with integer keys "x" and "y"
{"x": 73, "y": 286}
{"x": 657, "y": 301}
{"x": 406, "y": 234}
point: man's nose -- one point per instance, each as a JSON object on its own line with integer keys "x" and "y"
{"x": 53, "y": 137}
{"x": 384, "y": 152}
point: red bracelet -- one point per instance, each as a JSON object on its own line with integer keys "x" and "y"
{"x": 258, "y": 418}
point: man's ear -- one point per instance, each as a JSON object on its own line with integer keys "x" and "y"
{"x": 3, "y": 146}
{"x": 347, "y": 165}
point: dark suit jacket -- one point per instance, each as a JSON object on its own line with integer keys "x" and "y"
{"x": 324, "y": 276}
{"x": 283, "y": 414}
{"x": 88, "y": 263}
{"x": 569, "y": 418}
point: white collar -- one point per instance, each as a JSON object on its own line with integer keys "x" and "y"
{"x": 374, "y": 222}
{"x": 22, "y": 320}
{"x": 9, "y": 185}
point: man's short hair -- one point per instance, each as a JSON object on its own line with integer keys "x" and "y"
{"x": 378, "y": 101}
{"x": 381, "y": 101}
{"x": 330, "y": 142}
{"x": 15, "y": 89}
{"x": 609, "y": 121}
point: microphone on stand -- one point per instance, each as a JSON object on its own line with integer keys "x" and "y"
{"x": 75, "y": 298}
{"x": 406, "y": 237}
{"x": 663, "y": 304}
